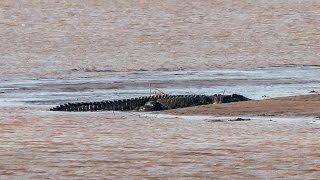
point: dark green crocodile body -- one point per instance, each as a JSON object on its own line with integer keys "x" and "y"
{"x": 151, "y": 103}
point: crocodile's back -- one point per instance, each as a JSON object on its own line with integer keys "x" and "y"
{"x": 163, "y": 102}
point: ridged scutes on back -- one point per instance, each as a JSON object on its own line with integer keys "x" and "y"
{"x": 163, "y": 101}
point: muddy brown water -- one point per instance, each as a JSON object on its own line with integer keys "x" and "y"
{"x": 42, "y": 39}
{"x": 38, "y": 144}
{"x": 59, "y": 51}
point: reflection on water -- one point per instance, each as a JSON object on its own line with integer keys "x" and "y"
{"x": 255, "y": 84}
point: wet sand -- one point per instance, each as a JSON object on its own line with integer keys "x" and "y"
{"x": 69, "y": 51}
{"x": 307, "y": 105}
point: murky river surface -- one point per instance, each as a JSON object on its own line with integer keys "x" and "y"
{"x": 37, "y": 143}
{"x": 53, "y": 52}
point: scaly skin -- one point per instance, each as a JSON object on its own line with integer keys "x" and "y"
{"x": 152, "y": 103}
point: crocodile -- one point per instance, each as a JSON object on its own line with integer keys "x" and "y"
{"x": 151, "y": 103}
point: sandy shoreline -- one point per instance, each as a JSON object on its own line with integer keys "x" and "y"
{"x": 291, "y": 106}
{"x": 306, "y": 105}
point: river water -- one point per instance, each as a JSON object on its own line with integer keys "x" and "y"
{"x": 37, "y": 143}
{"x": 255, "y": 84}
{"x": 53, "y": 52}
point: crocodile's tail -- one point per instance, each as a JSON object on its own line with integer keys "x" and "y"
{"x": 117, "y": 105}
